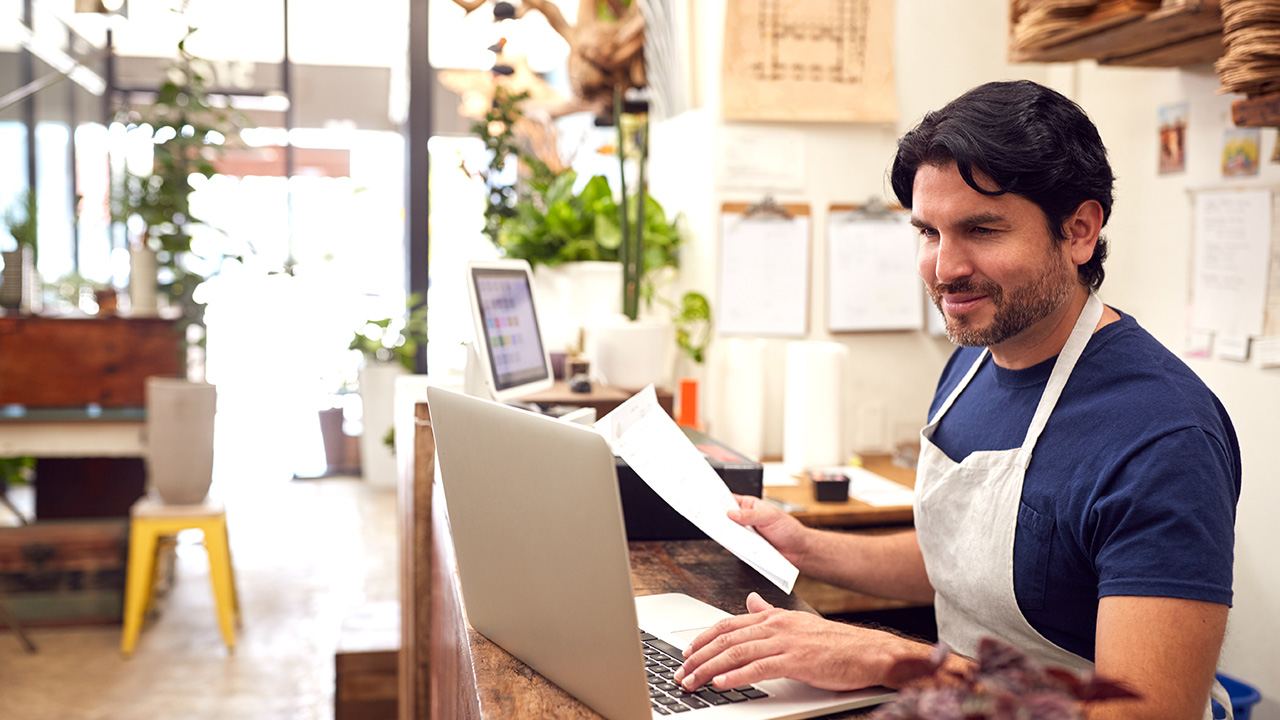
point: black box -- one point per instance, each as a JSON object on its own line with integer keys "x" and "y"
{"x": 649, "y": 517}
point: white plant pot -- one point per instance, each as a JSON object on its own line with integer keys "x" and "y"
{"x": 628, "y": 354}
{"x": 377, "y": 396}
{"x": 180, "y": 416}
{"x": 575, "y": 295}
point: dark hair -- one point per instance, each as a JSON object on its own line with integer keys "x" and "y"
{"x": 1030, "y": 140}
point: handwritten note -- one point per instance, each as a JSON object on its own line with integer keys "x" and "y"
{"x": 640, "y": 432}
{"x": 1232, "y": 254}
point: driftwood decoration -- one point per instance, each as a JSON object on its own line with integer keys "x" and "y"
{"x": 603, "y": 54}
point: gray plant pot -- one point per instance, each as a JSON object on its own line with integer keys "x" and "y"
{"x": 180, "y": 417}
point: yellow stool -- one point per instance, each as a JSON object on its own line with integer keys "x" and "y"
{"x": 151, "y": 520}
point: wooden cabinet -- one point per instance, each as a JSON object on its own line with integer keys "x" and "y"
{"x": 73, "y": 362}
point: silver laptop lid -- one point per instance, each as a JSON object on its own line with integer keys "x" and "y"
{"x": 542, "y": 554}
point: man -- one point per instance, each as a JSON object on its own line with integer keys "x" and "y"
{"x": 1077, "y": 483}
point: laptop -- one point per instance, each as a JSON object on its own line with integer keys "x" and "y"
{"x": 544, "y": 568}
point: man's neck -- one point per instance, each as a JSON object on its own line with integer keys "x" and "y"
{"x": 1046, "y": 338}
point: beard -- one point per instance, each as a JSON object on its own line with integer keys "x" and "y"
{"x": 1016, "y": 309}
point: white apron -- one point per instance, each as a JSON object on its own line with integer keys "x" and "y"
{"x": 966, "y": 514}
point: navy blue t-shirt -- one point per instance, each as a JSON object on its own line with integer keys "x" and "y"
{"x": 1132, "y": 487}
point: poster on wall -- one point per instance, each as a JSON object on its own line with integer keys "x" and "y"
{"x": 1241, "y": 151}
{"x": 1173, "y": 136}
{"x": 809, "y": 61}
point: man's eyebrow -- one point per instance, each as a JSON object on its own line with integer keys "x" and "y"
{"x": 982, "y": 218}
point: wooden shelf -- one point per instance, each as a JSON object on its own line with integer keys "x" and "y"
{"x": 1258, "y": 111}
{"x": 1123, "y": 33}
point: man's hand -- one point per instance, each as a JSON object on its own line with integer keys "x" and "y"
{"x": 769, "y": 643}
{"x": 783, "y": 531}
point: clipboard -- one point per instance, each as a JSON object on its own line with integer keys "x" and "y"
{"x": 763, "y": 276}
{"x": 872, "y": 280}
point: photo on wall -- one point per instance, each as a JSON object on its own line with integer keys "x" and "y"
{"x": 1241, "y": 151}
{"x": 1173, "y": 137}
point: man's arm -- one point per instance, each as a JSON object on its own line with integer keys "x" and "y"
{"x": 888, "y": 566}
{"x": 1164, "y": 649}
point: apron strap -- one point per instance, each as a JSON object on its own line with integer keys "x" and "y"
{"x": 960, "y": 386}
{"x": 1062, "y": 368}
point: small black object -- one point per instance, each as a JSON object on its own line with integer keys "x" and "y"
{"x": 503, "y": 70}
{"x": 830, "y": 487}
{"x": 579, "y": 384}
{"x": 504, "y": 11}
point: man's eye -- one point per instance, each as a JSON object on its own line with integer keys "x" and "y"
{"x": 928, "y": 232}
{"x": 983, "y": 231}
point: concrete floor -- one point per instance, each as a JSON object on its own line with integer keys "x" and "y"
{"x": 306, "y": 554}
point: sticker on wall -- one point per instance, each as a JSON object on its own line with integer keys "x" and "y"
{"x": 1173, "y": 135}
{"x": 1199, "y": 344}
{"x": 1241, "y": 150}
{"x": 1268, "y": 351}
{"x": 1232, "y": 347}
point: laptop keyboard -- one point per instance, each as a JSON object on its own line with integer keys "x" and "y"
{"x": 661, "y": 661}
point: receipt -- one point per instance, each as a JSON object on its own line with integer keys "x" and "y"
{"x": 643, "y": 435}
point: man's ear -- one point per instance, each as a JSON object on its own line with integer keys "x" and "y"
{"x": 1082, "y": 229}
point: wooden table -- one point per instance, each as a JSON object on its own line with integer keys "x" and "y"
{"x": 850, "y": 513}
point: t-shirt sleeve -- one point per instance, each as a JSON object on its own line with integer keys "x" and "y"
{"x": 1165, "y": 526}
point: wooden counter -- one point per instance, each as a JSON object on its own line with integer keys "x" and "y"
{"x": 603, "y": 398}
{"x": 448, "y": 670}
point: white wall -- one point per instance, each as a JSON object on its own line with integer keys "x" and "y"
{"x": 1148, "y": 277}
{"x": 943, "y": 48}
{"x": 891, "y": 375}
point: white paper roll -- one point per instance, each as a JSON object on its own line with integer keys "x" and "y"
{"x": 742, "y": 424}
{"x": 812, "y": 429}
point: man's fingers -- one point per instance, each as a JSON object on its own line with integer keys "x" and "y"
{"x": 729, "y": 662}
{"x": 757, "y": 604}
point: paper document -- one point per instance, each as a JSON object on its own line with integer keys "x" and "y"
{"x": 875, "y": 490}
{"x": 640, "y": 432}
{"x": 777, "y": 474}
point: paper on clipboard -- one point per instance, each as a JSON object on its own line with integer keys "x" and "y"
{"x": 764, "y": 275}
{"x": 640, "y": 432}
{"x": 872, "y": 281}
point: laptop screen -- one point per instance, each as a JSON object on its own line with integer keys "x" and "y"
{"x": 508, "y": 327}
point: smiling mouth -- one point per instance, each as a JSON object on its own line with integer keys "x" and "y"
{"x": 953, "y": 304}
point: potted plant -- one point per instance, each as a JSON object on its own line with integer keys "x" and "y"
{"x": 1004, "y": 684}
{"x": 388, "y": 347}
{"x": 21, "y": 283}
{"x": 602, "y": 247}
{"x": 188, "y": 132}
{"x": 15, "y": 471}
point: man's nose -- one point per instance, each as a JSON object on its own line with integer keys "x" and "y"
{"x": 951, "y": 260}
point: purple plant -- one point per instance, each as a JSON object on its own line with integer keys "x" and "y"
{"x": 1005, "y": 685}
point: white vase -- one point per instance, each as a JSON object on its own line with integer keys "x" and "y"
{"x": 627, "y": 354}
{"x": 143, "y": 295}
{"x": 573, "y": 296}
{"x": 377, "y": 396}
{"x": 180, "y": 417}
